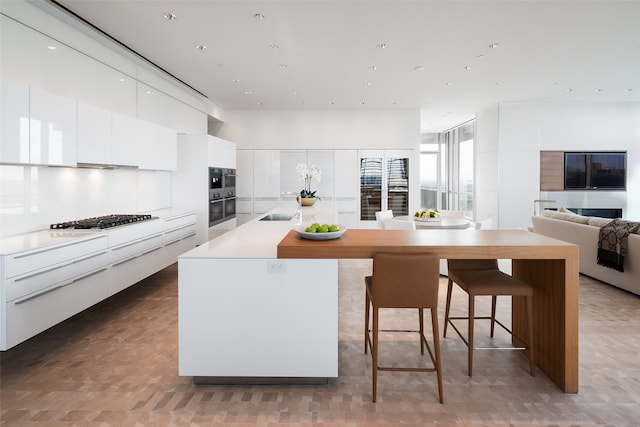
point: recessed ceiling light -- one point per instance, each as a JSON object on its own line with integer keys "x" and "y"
{"x": 259, "y": 16}
{"x": 382, "y": 45}
{"x": 480, "y": 56}
{"x": 248, "y": 92}
{"x": 419, "y": 68}
{"x": 499, "y": 83}
{"x": 468, "y": 67}
{"x": 283, "y": 66}
{"x": 598, "y": 90}
{"x": 394, "y": 103}
{"x": 332, "y": 103}
{"x": 558, "y": 83}
{"x": 274, "y": 46}
{"x": 236, "y": 80}
{"x": 201, "y": 46}
{"x": 369, "y": 83}
{"x": 260, "y": 103}
{"x": 494, "y": 46}
{"x": 170, "y": 16}
{"x": 148, "y": 92}
{"x": 51, "y": 47}
{"x": 448, "y": 83}
{"x": 569, "y": 89}
{"x": 362, "y": 103}
{"x": 294, "y": 93}
{"x": 373, "y": 68}
{"x": 289, "y": 80}
{"x": 628, "y": 90}
{"x": 301, "y": 104}
{"x": 121, "y": 79}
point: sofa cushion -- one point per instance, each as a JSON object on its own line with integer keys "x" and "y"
{"x": 599, "y": 222}
{"x": 565, "y": 216}
{"x": 565, "y": 210}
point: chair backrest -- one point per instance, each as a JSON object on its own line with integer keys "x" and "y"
{"x": 381, "y": 216}
{"x": 398, "y": 224}
{"x": 405, "y": 280}
{"x": 485, "y": 224}
{"x": 472, "y": 264}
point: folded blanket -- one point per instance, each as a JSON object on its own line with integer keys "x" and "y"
{"x": 612, "y": 243}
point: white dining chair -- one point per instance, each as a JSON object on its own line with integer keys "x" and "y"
{"x": 381, "y": 216}
{"x": 398, "y": 224}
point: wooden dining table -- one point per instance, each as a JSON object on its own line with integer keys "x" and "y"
{"x": 549, "y": 265}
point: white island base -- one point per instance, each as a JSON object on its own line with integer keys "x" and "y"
{"x": 249, "y": 319}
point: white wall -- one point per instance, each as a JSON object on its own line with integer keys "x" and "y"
{"x": 523, "y": 129}
{"x": 322, "y": 129}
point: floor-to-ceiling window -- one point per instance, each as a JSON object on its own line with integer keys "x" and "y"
{"x": 447, "y": 170}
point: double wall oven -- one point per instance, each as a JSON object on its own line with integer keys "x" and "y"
{"x": 222, "y": 195}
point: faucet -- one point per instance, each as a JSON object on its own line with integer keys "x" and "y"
{"x": 298, "y": 202}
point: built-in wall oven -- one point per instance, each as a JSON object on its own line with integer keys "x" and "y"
{"x": 222, "y": 195}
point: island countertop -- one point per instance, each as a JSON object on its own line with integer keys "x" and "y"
{"x": 259, "y": 239}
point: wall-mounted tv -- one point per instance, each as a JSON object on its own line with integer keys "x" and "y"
{"x": 595, "y": 170}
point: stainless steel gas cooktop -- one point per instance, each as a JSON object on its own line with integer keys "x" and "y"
{"x": 101, "y": 222}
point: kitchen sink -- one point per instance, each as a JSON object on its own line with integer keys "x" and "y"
{"x": 277, "y": 217}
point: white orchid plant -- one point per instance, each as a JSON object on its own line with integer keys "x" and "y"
{"x": 307, "y": 174}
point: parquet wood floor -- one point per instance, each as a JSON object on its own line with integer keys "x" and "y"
{"x": 116, "y": 364}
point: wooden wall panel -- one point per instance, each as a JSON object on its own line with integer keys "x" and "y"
{"x": 552, "y": 171}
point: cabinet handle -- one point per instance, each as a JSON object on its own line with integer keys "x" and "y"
{"x": 57, "y": 267}
{"x": 125, "y": 261}
{"x": 180, "y": 239}
{"x": 61, "y": 285}
{"x": 58, "y": 247}
{"x": 135, "y": 242}
{"x": 178, "y": 228}
{"x": 149, "y": 251}
{"x": 177, "y": 217}
{"x": 89, "y": 257}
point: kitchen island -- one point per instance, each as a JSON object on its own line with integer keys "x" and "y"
{"x": 261, "y": 302}
{"x": 245, "y": 315}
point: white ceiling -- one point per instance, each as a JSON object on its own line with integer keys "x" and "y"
{"x": 557, "y": 51}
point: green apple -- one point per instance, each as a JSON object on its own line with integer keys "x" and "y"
{"x": 323, "y": 228}
{"x": 311, "y": 229}
{"x": 334, "y": 228}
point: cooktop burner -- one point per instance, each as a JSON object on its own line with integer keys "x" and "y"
{"x": 100, "y": 222}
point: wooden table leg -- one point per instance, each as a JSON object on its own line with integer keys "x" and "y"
{"x": 555, "y": 312}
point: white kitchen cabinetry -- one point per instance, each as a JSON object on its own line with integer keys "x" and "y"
{"x": 244, "y": 186}
{"x": 324, "y": 159}
{"x": 222, "y": 153}
{"x": 266, "y": 180}
{"x": 42, "y": 286}
{"x": 94, "y": 134}
{"x": 124, "y": 140}
{"x": 52, "y": 129}
{"x": 158, "y": 148}
{"x": 346, "y": 186}
{"x": 14, "y": 122}
{"x": 196, "y": 154}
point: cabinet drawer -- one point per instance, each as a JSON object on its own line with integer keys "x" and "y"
{"x": 119, "y": 236}
{"x": 34, "y": 281}
{"x": 30, "y": 261}
{"x": 30, "y": 316}
{"x": 179, "y": 233}
{"x": 136, "y": 247}
{"x": 179, "y": 221}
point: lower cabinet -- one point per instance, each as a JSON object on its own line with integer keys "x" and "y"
{"x": 44, "y": 286}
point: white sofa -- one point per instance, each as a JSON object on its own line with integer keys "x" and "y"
{"x": 583, "y": 231}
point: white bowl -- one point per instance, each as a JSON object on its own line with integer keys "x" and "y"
{"x": 319, "y": 236}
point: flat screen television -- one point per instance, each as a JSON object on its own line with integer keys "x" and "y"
{"x": 595, "y": 170}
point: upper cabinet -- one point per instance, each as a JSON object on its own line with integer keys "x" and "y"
{"x": 124, "y": 140}
{"x": 52, "y": 129}
{"x": 14, "y": 122}
{"x": 158, "y": 147}
{"x": 94, "y": 134}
